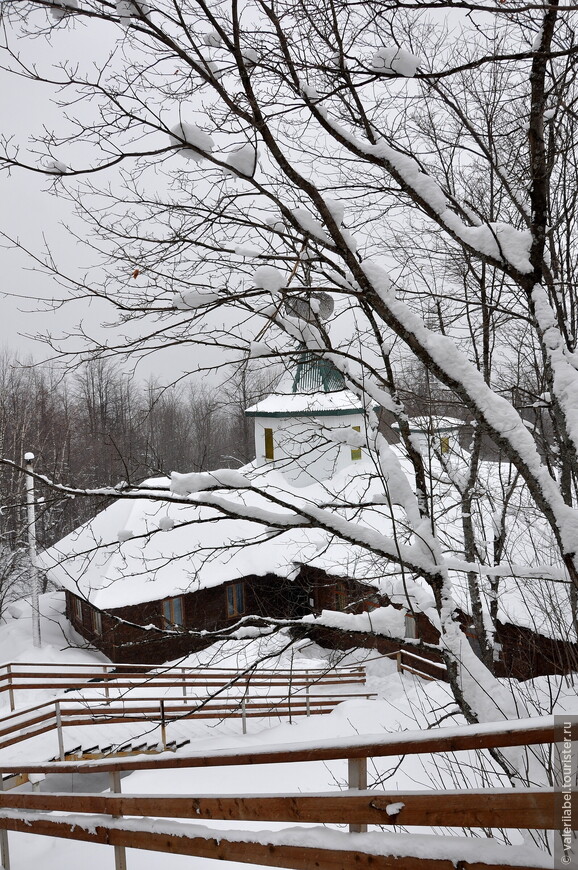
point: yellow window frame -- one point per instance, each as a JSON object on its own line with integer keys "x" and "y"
{"x": 356, "y": 451}
{"x": 269, "y": 445}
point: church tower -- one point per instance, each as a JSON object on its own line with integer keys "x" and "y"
{"x": 300, "y": 428}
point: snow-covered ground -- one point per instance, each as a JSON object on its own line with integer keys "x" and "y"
{"x": 403, "y": 702}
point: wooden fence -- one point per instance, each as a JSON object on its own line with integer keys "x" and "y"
{"x": 189, "y": 693}
{"x": 21, "y": 676}
{"x": 427, "y": 669}
{"x": 308, "y": 848}
{"x": 22, "y": 725}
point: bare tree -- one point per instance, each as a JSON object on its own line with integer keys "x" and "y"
{"x": 359, "y": 151}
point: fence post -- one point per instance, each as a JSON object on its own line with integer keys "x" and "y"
{"x": 4, "y": 850}
{"x": 59, "y": 730}
{"x": 184, "y": 682}
{"x": 307, "y": 698}
{"x": 106, "y": 689}
{"x": 244, "y": 714}
{"x": 399, "y": 664}
{"x": 10, "y": 689}
{"x": 290, "y": 711}
{"x": 119, "y": 851}
{"x": 163, "y": 727}
{"x": 357, "y": 778}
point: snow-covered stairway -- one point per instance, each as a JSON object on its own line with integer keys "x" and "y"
{"x": 133, "y": 709}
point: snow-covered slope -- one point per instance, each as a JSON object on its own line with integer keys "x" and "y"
{"x": 403, "y": 702}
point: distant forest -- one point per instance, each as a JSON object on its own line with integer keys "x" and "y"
{"x": 97, "y": 426}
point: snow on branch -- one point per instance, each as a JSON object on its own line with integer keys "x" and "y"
{"x": 185, "y": 484}
{"x": 501, "y": 418}
{"x": 500, "y": 241}
{"x": 395, "y": 61}
{"x": 194, "y": 143}
{"x": 564, "y": 372}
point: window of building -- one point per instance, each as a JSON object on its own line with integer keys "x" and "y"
{"x": 340, "y": 595}
{"x": 445, "y": 444}
{"x": 96, "y": 622}
{"x": 235, "y": 599}
{"x": 77, "y": 608}
{"x": 269, "y": 447}
{"x": 356, "y": 451}
{"x": 411, "y": 626}
{"x": 173, "y": 611}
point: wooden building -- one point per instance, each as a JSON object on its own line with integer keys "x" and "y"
{"x": 149, "y": 580}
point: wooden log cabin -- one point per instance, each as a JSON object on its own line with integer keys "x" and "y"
{"x": 149, "y": 581}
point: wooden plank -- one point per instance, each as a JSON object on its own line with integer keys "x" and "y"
{"x": 28, "y": 723}
{"x": 506, "y": 808}
{"x": 249, "y": 852}
{"x": 20, "y": 738}
{"x": 202, "y": 679}
{"x": 408, "y": 743}
{"x": 24, "y": 710}
{"x": 110, "y": 715}
{"x": 153, "y": 717}
{"x": 64, "y": 685}
{"x": 417, "y": 673}
{"x": 333, "y": 675}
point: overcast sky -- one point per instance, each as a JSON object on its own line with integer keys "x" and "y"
{"x": 34, "y": 216}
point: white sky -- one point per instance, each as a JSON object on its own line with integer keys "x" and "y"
{"x": 31, "y": 214}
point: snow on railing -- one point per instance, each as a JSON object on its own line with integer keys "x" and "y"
{"x": 100, "y": 818}
{"x": 17, "y": 676}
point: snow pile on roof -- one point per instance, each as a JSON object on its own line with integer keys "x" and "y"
{"x": 307, "y": 404}
{"x": 183, "y": 547}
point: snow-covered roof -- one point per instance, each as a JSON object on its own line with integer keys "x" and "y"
{"x": 338, "y": 403}
{"x": 434, "y": 423}
{"x": 141, "y": 549}
{"x": 310, "y": 387}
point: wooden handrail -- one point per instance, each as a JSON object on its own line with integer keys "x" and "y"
{"x": 177, "y": 668}
{"x": 406, "y": 652}
{"x": 172, "y": 684}
{"x": 526, "y": 732}
{"x": 128, "y": 677}
{"x": 363, "y": 853}
{"x": 112, "y": 670}
{"x": 516, "y": 808}
{"x": 21, "y": 728}
{"x": 506, "y": 808}
{"x": 304, "y": 677}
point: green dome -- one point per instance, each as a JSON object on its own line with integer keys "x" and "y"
{"x": 314, "y": 375}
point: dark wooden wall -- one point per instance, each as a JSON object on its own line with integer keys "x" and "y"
{"x": 524, "y": 653}
{"x": 123, "y": 638}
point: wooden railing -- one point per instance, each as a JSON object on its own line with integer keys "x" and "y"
{"x": 19, "y": 676}
{"x": 56, "y": 715}
{"x": 417, "y": 665}
{"x": 188, "y": 693}
{"x": 305, "y": 849}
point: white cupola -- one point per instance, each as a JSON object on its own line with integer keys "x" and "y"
{"x": 294, "y": 425}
